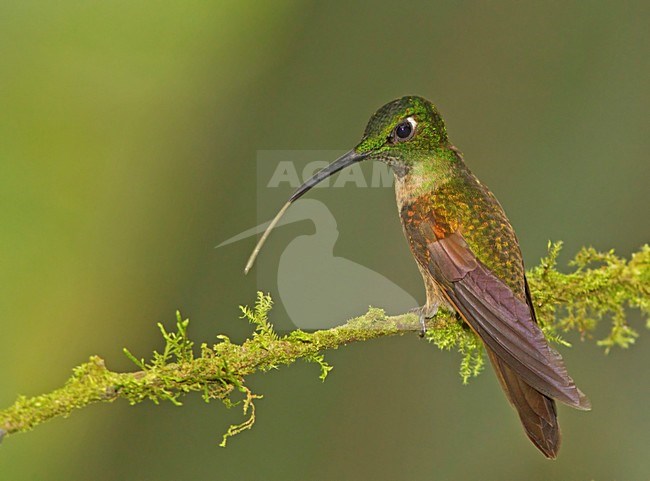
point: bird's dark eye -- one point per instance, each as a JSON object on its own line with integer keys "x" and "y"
{"x": 404, "y": 130}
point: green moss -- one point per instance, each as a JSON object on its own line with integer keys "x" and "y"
{"x": 600, "y": 290}
{"x": 452, "y": 334}
{"x": 602, "y": 287}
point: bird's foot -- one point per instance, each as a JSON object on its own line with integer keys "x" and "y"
{"x": 424, "y": 313}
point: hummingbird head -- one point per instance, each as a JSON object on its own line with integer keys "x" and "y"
{"x": 399, "y": 133}
{"x": 396, "y": 134}
{"x": 400, "y": 129}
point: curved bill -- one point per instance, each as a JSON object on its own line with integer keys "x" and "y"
{"x": 342, "y": 162}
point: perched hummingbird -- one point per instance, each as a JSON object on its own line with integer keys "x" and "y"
{"x": 468, "y": 255}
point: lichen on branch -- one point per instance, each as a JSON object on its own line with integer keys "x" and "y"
{"x": 601, "y": 287}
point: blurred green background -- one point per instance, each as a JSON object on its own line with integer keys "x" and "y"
{"x": 128, "y": 138}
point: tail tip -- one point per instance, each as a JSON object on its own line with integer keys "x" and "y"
{"x": 584, "y": 404}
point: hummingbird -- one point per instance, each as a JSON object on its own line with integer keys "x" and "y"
{"x": 468, "y": 255}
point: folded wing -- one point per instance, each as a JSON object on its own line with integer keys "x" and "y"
{"x": 503, "y": 321}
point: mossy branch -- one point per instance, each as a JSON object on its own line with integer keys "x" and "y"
{"x": 602, "y": 286}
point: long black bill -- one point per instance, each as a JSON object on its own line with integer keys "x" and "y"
{"x": 342, "y": 162}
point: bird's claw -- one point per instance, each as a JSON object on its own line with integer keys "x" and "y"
{"x": 424, "y": 313}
